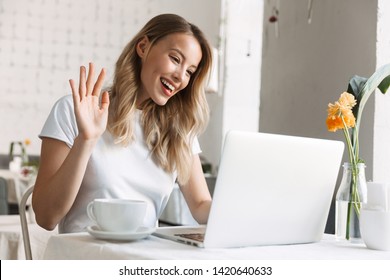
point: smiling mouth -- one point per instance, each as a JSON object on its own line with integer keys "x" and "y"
{"x": 167, "y": 85}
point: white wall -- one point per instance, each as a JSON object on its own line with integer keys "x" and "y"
{"x": 242, "y": 65}
{"x": 309, "y": 66}
{"x": 381, "y": 150}
{"x": 42, "y": 44}
{"x": 237, "y": 105}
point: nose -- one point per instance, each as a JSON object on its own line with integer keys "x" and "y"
{"x": 179, "y": 74}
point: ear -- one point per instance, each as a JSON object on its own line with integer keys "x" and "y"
{"x": 142, "y": 46}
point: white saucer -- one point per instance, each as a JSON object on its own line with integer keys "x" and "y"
{"x": 140, "y": 233}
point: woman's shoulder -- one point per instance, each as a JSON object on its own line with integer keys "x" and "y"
{"x": 61, "y": 123}
{"x": 63, "y": 105}
{"x": 65, "y": 100}
{"x": 63, "y": 111}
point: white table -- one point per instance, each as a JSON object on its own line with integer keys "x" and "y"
{"x": 11, "y": 239}
{"x": 77, "y": 246}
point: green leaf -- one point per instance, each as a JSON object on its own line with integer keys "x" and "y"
{"x": 355, "y": 85}
{"x": 379, "y": 78}
{"x": 362, "y": 88}
{"x": 384, "y": 85}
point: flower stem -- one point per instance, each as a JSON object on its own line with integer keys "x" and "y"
{"x": 353, "y": 185}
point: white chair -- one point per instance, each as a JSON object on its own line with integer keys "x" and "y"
{"x": 24, "y": 222}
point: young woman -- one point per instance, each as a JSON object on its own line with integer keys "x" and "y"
{"x": 135, "y": 140}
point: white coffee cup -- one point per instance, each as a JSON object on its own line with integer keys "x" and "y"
{"x": 375, "y": 229}
{"x": 119, "y": 215}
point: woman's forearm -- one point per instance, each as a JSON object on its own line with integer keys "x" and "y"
{"x": 201, "y": 213}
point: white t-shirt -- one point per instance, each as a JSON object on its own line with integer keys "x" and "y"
{"x": 113, "y": 171}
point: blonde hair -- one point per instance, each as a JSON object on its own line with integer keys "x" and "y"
{"x": 169, "y": 130}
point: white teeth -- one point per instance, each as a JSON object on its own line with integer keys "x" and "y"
{"x": 165, "y": 82}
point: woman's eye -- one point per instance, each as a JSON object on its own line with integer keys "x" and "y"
{"x": 175, "y": 59}
{"x": 190, "y": 73}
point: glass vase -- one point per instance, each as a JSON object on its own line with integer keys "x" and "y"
{"x": 351, "y": 195}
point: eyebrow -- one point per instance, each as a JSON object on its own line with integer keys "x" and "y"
{"x": 182, "y": 54}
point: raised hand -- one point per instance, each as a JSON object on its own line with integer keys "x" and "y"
{"x": 91, "y": 116}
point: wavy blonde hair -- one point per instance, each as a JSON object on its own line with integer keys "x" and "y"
{"x": 169, "y": 130}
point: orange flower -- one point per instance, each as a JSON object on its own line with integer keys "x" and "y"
{"x": 347, "y": 100}
{"x": 340, "y": 113}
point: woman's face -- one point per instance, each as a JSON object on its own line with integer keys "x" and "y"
{"x": 167, "y": 66}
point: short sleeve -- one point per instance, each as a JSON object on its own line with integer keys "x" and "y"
{"x": 196, "y": 146}
{"x": 61, "y": 122}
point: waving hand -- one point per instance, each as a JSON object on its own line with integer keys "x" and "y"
{"x": 91, "y": 116}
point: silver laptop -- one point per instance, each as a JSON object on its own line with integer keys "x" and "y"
{"x": 271, "y": 190}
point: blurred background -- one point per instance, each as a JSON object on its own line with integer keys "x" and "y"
{"x": 278, "y": 64}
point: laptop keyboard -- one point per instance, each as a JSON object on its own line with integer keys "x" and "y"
{"x": 194, "y": 236}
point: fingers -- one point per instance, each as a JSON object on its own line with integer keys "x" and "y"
{"x": 82, "y": 83}
{"x": 86, "y": 82}
{"x": 99, "y": 83}
{"x": 91, "y": 74}
{"x": 76, "y": 96}
{"x": 105, "y": 101}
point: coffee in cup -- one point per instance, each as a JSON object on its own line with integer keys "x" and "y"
{"x": 117, "y": 215}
